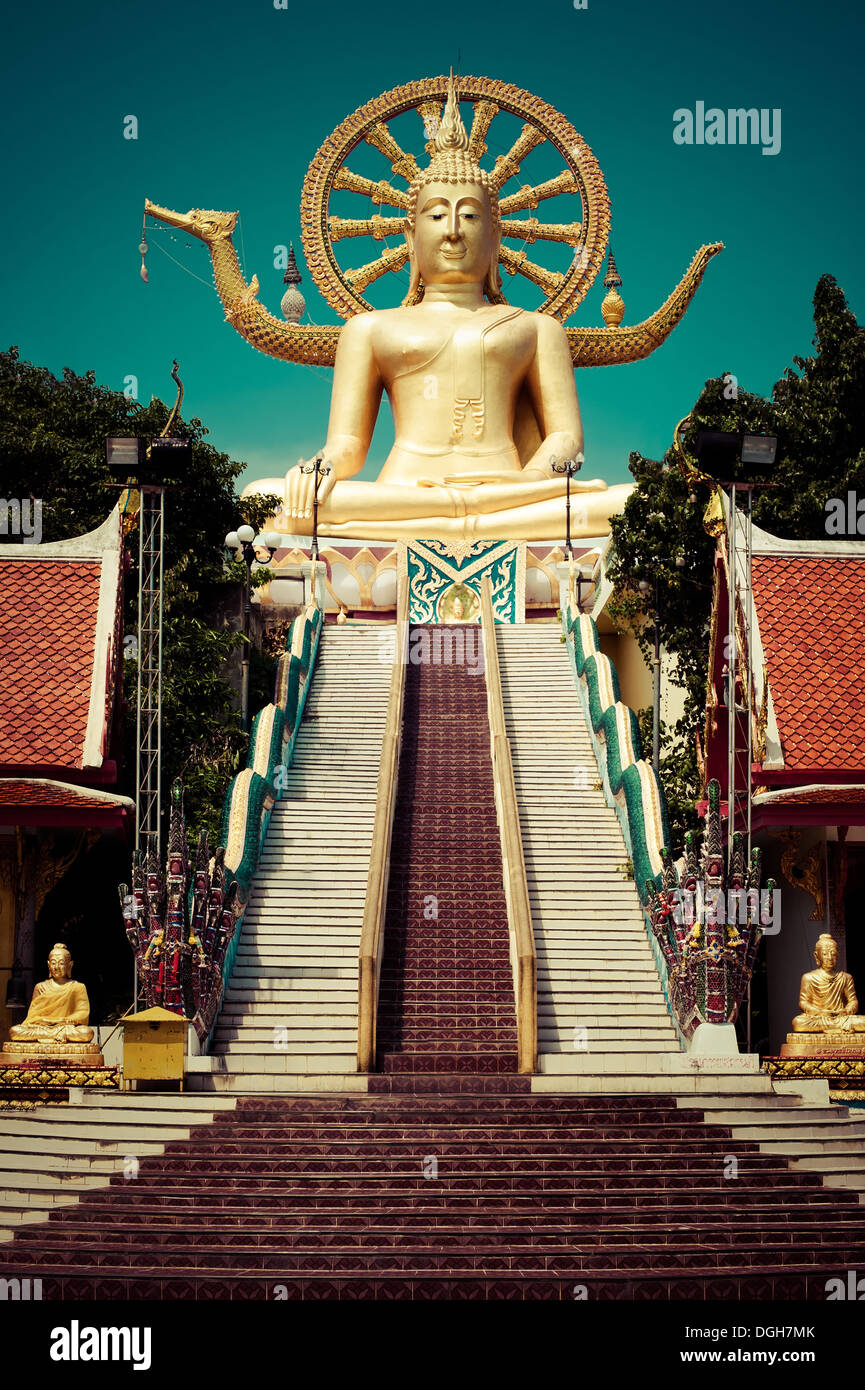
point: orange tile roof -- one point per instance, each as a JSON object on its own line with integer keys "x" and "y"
{"x": 48, "y": 612}
{"x": 811, "y": 612}
{"x": 21, "y": 791}
{"x": 815, "y": 796}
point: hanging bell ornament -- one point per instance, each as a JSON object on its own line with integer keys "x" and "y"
{"x": 143, "y": 250}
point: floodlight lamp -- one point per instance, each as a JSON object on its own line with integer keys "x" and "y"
{"x": 759, "y": 448}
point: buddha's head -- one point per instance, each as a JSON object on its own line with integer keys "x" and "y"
{"x": 59, "y": 962}
{"x": 826, "y": 951}
{"x": 453, "y": 227}
{"x": 458, "y": 608}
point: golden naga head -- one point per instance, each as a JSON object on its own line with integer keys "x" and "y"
{"x": 445, "y": 202}
{"x": 209, "y": 226}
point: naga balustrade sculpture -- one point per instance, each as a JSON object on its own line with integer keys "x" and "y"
{"x": 179, "y": 923}
{"x": 709, "y": 954}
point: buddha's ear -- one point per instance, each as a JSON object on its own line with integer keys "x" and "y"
{"x": 415, "y": 291}
{"x": 493, "y": 281}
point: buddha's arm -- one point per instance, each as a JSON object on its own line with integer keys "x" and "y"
{"x": 554, "y": 395}
{"x": 355, "y": 400}
{"x": 851, "y": 1003}
{"x": 80, "y": 1006}
{"x": 33, "y": 1014}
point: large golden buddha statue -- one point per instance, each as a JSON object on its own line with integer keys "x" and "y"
{"x": 482, "y": 392}
{"x": 59, "y": 1011}
{"x": 464, "y": 372}
{"x": 827, "y": 995}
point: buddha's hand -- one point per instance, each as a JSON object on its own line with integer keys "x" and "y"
{"x": 471, "y": 479}
{"x": 300, "y": 488}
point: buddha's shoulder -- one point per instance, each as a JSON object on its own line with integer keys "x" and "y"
{"x": 361, "y": 325}
{"x": 372, "y": 328}
{"x": 548, "y": 328}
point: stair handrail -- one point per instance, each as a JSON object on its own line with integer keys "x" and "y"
{"x": 524, "y": 960}
{"x": 372, "y": 932}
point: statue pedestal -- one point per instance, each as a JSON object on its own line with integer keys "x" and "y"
{"x": 835, "y": 1044}
{"x": 361, "y": 576}
{"x": 838, "y": 1058}
{"x": 42, "y": 1073}
{"x": 714, "y": 1040}
{"x": 13, "y": 1053}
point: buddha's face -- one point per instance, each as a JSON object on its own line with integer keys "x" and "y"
{"x": 454, "y": 234}
{"x": 826, "y": 954}
{"x": 59, "y": 965}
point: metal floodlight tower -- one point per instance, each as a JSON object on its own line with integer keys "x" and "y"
{"x": 717, "y": 450}
{"x": 145, "y": 462}
{"x": 148, "y": 771}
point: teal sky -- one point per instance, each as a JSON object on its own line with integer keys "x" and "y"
{"x": 233, "y": 98}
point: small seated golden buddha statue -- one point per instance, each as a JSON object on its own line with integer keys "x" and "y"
{"x": 827, "y": 995}
{"x": 59, "y": 1012}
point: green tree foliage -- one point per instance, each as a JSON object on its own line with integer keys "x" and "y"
{"x": 817, "y": 412}
{"x": 52, "y": 447}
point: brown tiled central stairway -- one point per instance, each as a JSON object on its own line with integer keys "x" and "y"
{"x": 446, "y": 1002}
{"x": 452, "y": 1196}
{"x": 451, "y": 1178}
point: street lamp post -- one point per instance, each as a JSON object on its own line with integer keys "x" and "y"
{"x": 321, "y": 470}
{"x": 245, "y": 545}
{"x": 570, "y": 467}
{"x": 644, "y": 587}
{"x": 656, "y": 681}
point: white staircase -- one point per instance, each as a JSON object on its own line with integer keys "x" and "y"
{"x": 52, "y": 1154}
{"x": 601, "y": 1007}
{"x": 827, "y": 1139}
{"x": 289, "y": 1020}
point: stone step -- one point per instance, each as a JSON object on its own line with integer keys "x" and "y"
{"x": 580, "y": 1073}
{"x": 248, "y": 955}
{"x": 276, "y": 931}
{"x": 263, "y": 1059}
{"x": 851, "y": 1160}
{"x": 610, "y": 998}
{"x": 621, "y": 953}
{"x": 247, "y": 974}
{"x": 649, "y": 1012}
{"x": 295, "y": 920}
{"x": 561, "y": 975}
{"x": 278, "y": 1015}
{"x": 308, "y": 1083}
{"x": 300, "y": 996}
{"x": 599, "y": 1034}
{"x": 295, "y": 1031}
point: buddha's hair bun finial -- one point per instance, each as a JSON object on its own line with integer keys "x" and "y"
{"x": 451, "y": 134}
{"x": 452, "y": 160}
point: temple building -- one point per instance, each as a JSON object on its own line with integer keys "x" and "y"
{"x": 801, "y": 635}
{"x": 60, "y": 634}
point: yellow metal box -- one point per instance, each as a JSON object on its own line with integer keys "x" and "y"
{"x": 154, "y": 1046}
